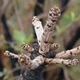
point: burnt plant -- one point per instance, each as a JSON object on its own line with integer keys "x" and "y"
{"x": 43, "y": 51}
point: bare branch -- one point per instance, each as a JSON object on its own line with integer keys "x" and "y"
{"x": 4, "y": 8}
{"x": 27, "y": 47}
{"x": 47, "y": 36}
{"x": 38, "y": 28}
{"x": 66, "y": 74}
{"x": 69, "y": 53}
{"x": 62, "y": 61}
{"x": 9, "y": 54}
{"x": 25, "y": 60}
{"x": 46, "y": 43}
{"x": 32, "y": 64}
{"x": 18, "y": 16}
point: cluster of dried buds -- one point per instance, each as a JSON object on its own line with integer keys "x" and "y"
{"x": 46, "y": 43}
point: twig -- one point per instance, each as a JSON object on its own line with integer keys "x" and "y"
{"x": 25, "y": 60}
{"x": 27, "y": 48}
{"x": 47, "y": 36}
{"x": 46, "y": 44}
{"x": 7, "y": 53}
{"x": 32, "y": 64}
{"x": 4, "y": 8}
{"x": 18, "y": 16}
{"x": 69, "y": 53}
{"x": 10, "y": 71}
{"x": 42, "y": 15}
{"x": 38, "y": 28}
{"x": 66, "y": 75}
{"x": 62, "y": 61}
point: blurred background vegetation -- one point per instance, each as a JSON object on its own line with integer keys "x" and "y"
{"x": 16, "y": 28}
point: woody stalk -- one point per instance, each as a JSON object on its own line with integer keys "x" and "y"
{"x": 46, "y": 43}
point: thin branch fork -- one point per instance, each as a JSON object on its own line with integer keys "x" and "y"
{"x": 25, "y": 60}
{"x": 64, "y": 54}
{"x": 32, "y": 64}
{"x": 46, "y": 43}
{"x": 45, "y": 38}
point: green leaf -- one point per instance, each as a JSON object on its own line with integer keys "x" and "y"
{"x": 19, "y": 36}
